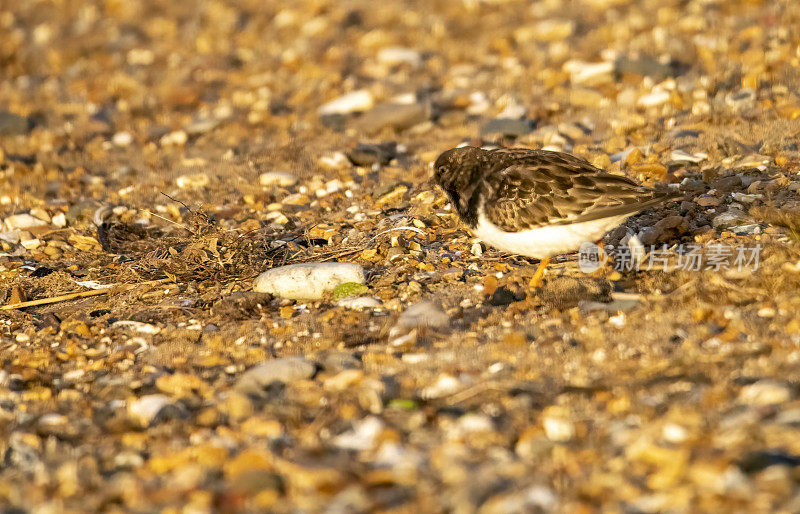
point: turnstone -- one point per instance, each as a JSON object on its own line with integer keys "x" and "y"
{"x": 537, "y": 203}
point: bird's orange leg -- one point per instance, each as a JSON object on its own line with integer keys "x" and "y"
{"x": 536, "y": 281}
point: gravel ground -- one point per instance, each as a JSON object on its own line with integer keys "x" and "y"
{"x": 175, "y": 151}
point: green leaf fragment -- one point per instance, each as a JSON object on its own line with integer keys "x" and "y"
{"x": 348, "y": 289}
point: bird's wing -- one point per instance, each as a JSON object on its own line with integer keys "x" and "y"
{"x": 545, "y": 188}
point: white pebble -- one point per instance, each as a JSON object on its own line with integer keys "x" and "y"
{"x": 147, "y": 407}
{"x": 558, "y": 430}
{"x": 122, "y": 139}
{"x": 311, "y": 281}
{"x": 394, "y": 55}
{"x": 23, "y": 221}
{"x": 654, "y": 99}
{"x": 277, "y": 178}
{"x": 356, "y": 101}
{"x": 359, "y": 303}
{"x": 765, "y": 392}
{"x": 194, "y": 181}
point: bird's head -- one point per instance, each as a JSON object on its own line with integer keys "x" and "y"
{"x": 456, "y": 168}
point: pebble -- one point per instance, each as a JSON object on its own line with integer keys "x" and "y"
{"x": 765, "y": 392}
{"x": 363, "y": 435}
{"x": 557, "y": 428}
{"x": 747, "y": 198}
{"x": 681, "y": 156}
{"x": 285, "y": 370}
{"x": 646, "y": 66}
{"x": 589, "y": 73}
{"x": 423, "y": 314}
{"x": 122, "y": 139}
{"x": 23, "y": 222}
{"x": 444, "y": 386}
{"x": 507, "y": 127}
{"x": 12, "y": 124}
{"x": 277, "y": 178}
{"x": 193, "y": 181}
{"x": 395, "y": 55}
{"x": 145, "y": 409}
{"x": 396, "y": 116}
{"x": 31, "y": 244}
{"x": 177, "y": 138}
{"x": 753, "y": 161}
{"x": 359, "y": 303}
{"x": 729, "y": 218}
{"x": 311, "y": 281}
{"x": 11, "y": 236}
{"x": 725, "y": 185}
{"x": 357, "y": 101}
{"x": 371, "y": 154}
{"x": 59, "y": 220}
{"x": 744, "y": 230}
{"x": 655, "y": 98}
{"x": 136, "y": 326}
{"x": 707, "y": 201}
{"x": 742, "y": 101}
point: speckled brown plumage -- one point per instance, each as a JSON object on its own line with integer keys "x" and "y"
{"x": 522, "y": 189}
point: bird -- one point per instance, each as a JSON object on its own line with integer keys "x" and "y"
{"x": 538, "y": 203}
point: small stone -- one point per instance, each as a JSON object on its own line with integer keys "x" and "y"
{"x": 395, "y": 55}
{"x": 655, "y": 98}
{"x": 504, "y": 296}
{"x": 177, "y": 138}
{"x": 745, "y": 230}
{"x": 746, "y": 198}
{"x": 137, "y": 326}
{"x": 356, "y": 101}
{"x": 122, "y": 139}
{"x": 589, "y": 73}
{"x": 673, "y": 433}
{"x": 727, "y": 184}
{"x": 146, "y": 408}
{"x": 707, "y": 201}
{"x": 742, "y": 101}
{"x": 31, "y": 244}
{"x": 288, "y": 369}
{"x": 23, "y": 222}
{"x": 729, "y": 218}
{"x": 363, "y": 435}
{"x": 194, "y": 181}
{"x": 765, "y": 392}
{"x": 12, "y": 124}
{"x": 586, "y": 97}
{"x": 182, "y": 385}
{"x": 753, "y": 161}
{"x": 11, "y": 236}
{"x": 370, "y": 155}
{"x": 557, "y": 427}
{"x": 296, "y": 199}
{"x": 423, "y": 314}
{"x": 359, "y": 303}
{"x": 681, "y": 156}
{"x": 507, "y": 127}
{"x": 277, "y": 178}
{"x": 647, "y": 67}
{"x": 202, "y": 125}
{"x": 546, "y": 30}
{"x": 59, "y": 220}
{"x": 311, "y": 281}
{"x": 444, "y": 386}
{"x": 392, "y": 115}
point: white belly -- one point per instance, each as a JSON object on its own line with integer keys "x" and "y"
{"x": 540, "y": 243}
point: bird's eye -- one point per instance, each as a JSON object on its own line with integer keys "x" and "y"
{"x": 441, "y": 169}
